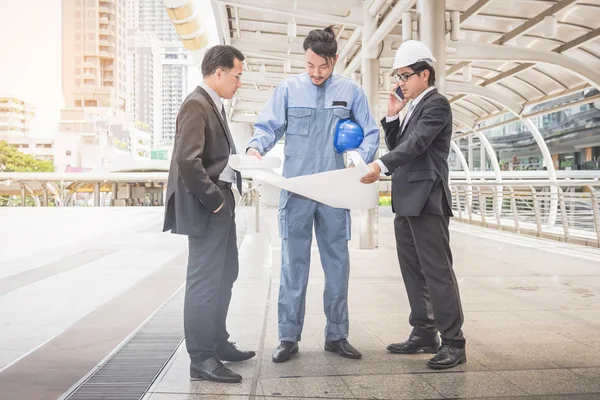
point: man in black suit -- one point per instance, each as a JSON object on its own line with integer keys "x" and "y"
{"x": 200, "y": 204}
{"x": 421, "y": 200}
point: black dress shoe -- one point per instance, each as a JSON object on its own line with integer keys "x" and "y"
{"x": 343, "y": 348}
{"x": 448, "y": 357}
{"x": 227, "y": 351}
{"x": 415, "y": 344}
{"x": 213, "y": 370}
{"x": 284, "y": 351}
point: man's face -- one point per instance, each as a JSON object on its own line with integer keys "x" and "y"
{"x": 318, "y": 68}
{"x": 228, "y": 82}
{"x": 412, "y": 84}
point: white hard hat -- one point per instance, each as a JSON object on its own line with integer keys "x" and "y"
{"x": 412, "y": 51}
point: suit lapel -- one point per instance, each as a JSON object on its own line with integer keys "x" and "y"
{"x": 415, "y": 112}
{"x": 218, "y": 114}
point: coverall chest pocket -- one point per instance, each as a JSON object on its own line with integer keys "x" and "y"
{"x": 297, "y": 132}
{"x": 298, "y": 121}
{"x": 340, "y": 113}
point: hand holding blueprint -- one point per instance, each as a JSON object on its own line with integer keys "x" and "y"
{"x": 339, "y": 189}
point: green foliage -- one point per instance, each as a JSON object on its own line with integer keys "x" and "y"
{"x": 385, "y": 200}
{"x": 15, "y": 161}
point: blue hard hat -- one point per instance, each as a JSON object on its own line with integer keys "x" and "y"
{"x": 348, "y": 136}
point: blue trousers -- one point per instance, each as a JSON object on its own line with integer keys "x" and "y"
{"x": 332, "y": 229}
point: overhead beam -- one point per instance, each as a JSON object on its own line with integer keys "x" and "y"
{"x": 297, "y": 13}
{"x": 492, "y": 52}
{"x": 524, "y": 27}
{"x": 487, "y": 93}
{"x": 388, "y": 24}
{"x": 473, "y": 10}
{"x": 521, "y": 29}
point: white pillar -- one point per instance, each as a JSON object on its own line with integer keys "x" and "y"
{"x": 45, "y": 195}
{"x": 23, "y": 196}
{"x": 466, "y": 169}
{"x": 549, "y": 166}
{"x": 470, "y": 153}
{"x": 481, "y": 157}
{"x": 115, "y": 192}
{"x": 370, "y": 82}
{"x": 96, "y": 194}
{"x": 432, "y": 32}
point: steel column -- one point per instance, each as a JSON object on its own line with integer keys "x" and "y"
{"x": 432, "y": 32}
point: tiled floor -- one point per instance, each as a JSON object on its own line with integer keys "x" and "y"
{"x": 532, "y": 313}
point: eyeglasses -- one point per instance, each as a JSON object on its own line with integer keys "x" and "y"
{"x": 404, "y": 77}
{"x": 237, "y": 76}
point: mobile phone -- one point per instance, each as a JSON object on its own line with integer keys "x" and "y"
{"x": 399, "y": 94}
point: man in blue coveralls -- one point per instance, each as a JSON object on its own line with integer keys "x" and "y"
{"x": 306, "y": 108}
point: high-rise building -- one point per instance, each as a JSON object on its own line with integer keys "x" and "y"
{"x": 133, "y": 14}
{"x": 144, "y": 83}
{"x": 152, "y": 17}
{"x": 93, "y": 53}
{"x": 15, "y": 117}
{"x": 174, "y": 80}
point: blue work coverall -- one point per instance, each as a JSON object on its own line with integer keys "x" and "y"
{"x": 307, "y": 115}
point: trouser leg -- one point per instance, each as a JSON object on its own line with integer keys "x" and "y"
{"x": 432, "y": 242}
{"x": 332, "y": 229}
{"x": 295, "y": 224}
{"x": 421, "y": 311}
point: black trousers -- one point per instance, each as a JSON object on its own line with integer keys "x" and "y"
{"x": 423, "y": 245}
{"x": 212, "y": 269}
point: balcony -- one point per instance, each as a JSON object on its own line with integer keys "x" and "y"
{"x": 106, "y": 54}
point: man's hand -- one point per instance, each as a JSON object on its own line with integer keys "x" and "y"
{"x": 253, "y": 152}
{"x": 373, "y": 175}
{"x": 395, "y": 105}
{"x": 218, "y": 209}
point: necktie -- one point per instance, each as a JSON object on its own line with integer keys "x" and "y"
{"x": 238, "y": 175}
{"x": 408, "y": 115}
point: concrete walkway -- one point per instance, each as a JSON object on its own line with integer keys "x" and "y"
{"x": 75, "y": 283}
{"x": 531, "y": 321}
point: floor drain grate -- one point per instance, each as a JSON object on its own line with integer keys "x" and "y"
{"x": 128, "y": 374}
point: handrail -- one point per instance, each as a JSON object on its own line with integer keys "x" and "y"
{"x": 525, "y": 207}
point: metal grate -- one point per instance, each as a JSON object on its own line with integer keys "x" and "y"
{"x": 128, "y": 374}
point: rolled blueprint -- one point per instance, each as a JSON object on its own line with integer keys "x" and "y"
{"x": 340, "y": 188}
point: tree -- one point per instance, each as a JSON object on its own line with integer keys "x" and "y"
{"x": 13, "y": 160}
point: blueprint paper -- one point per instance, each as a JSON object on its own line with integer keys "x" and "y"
{"x": 340, "y": 188}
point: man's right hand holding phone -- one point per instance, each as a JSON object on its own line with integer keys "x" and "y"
{"x": 395, "y": 104}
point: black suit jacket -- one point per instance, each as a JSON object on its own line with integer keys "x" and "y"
{"x": 200, "y": 154}
{"x": 418, "y": 158}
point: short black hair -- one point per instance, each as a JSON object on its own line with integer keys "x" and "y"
{"x": 422, "y": 66}
{"x": 220, "y": 56}
{"x": 322, "y": 42}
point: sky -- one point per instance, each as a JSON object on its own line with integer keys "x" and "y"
{"x": 30, "y": 62}
{"x": 30, "y": 57}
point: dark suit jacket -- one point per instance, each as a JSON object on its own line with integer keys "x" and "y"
{"x": 418, "y": 158}
{"x": 200, "y": 153}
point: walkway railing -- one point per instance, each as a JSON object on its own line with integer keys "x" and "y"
{"x": 566, "y": 210}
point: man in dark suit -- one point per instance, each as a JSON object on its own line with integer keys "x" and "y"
{"x": 421, "y": 200}
{"x": 200, "y": 204}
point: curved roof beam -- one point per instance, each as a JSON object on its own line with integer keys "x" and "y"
{"x": 479, "y": 107}
{"x": 486, "y": 93}
{"x": 493, "y": 52}
{"x": 463, "y": 119}
{"x": 466, "y": 110}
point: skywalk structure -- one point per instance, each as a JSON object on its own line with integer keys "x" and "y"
{"x": 506, "y": 67}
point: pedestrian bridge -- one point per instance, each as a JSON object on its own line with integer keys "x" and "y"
{"x": 91, "y": 303}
